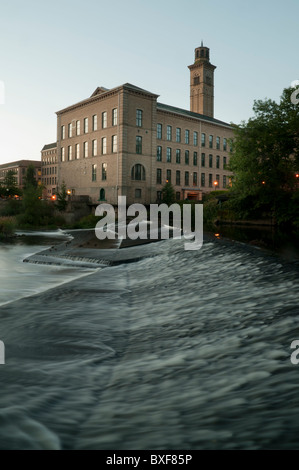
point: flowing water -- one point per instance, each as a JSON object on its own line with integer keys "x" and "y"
{"x": 181, "y": 350}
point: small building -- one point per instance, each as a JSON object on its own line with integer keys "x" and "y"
{"x": 20, "y": 168}
{"x": 49, "y": 167}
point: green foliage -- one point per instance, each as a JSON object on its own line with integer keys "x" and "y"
{"x": 265, "y": 159}
{"x": 89, "y": 221}
{"x": 168, "y": 194}
{"x": 11, "y": 207}
{"x": 9, "y": 186}
{"x": 30, "y": 179}
{"x": 35, "y": 212}
{"x": 7, "y": 227}
{"x": 61, "y": 195}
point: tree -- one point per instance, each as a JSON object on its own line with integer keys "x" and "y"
{"x": 265, "y": 159}
{"x": 62, "y": 198}
{"x": 168, "y": 194}
{"x": 9, "y": 185}
{"x": 30, "y": 179}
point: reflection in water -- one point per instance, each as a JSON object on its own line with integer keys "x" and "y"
{"x": 182, "y": 350}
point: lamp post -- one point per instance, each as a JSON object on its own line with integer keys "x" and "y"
{"x": 215, "y": 184}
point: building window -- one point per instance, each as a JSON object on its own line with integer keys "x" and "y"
{"x": 94, "y": 122}
{"x": 217, "y": 161}
{"x": 77, "y": 151}
{"x": 102, "y": 194}
{"x": 230, "y": 145}
{"x": 210, "y": 180}
{"x": 187, "y": 136}
{"x": 159, "y": 131}
{"x": 62, "y": 154}
{"x": 203, "y": 160}
{"x": 195, "y": 138}
{"x": 138, "y": 117}
{"x": 138, "y": 193}
{"x": 104, "y": 120}
{"x": 187, "y": 157}
{"x": 203, "y": 140}
{"x": 85, "y": 125}
{"x": 168, "y": 154}
{"x": 70, "y": 130}
{"x": 224, "y": 162}
{"x": 114, "y": 117}
{"x": 169, "y": 133}
{"x": 178, "y": 135}
{"x": 159, "y": 196}
{"x": 62, "y": 132}
{"x": 69, "y": 153}
{"x": 104, "y": 171}
{"x": 224, "y": 144}
{"x": 210, "y": 141}
{"x": 159, "y": 176}
{"x": 210, "y": 161}
{"x": 218, "y": 143}
{"x": 168, "y": 176}
{"x": 178, "y": 155}
{"x": 77, "y": 127}
{"x": 138, "y": 144}
{"x": 178, "y": 195}
{"x": 195, "y": 158}
{"x": 224, "y": 181}
{"x": 104, "y": 145}
{"x": 195, "y": 178}
{"x": 196, "y": 78}
{"x": 178, "y": 178}
{"x": 203, "y": 180}
{"x": 159, "y": 153}
{"x": 94, "y": 173}
{"x": 138, "y": 172}
{"x": 218, "y": 180}
{"x": 186, "y": 178}
{"x": 114, "y": 143}
{"x": 85, "y": 149}
{"x": 94, "y": 148}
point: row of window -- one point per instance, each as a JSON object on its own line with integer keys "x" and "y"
{"x": 191, "y": 178}
{"x": 187, "y": 137}
{"x": 103, "y": 172}
{"x": 94, "y": 149}
{"x": 49, "y": 160}
{"x": 187, "y": 158}
{"x": 49, "y": 171}
{"x": 51, "y": 180}
{"x": 74, "y": 127}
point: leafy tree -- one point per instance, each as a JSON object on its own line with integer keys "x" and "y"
{"x": 168, "y": 194}
{"x": 9, "y": 185}
{"x": 30, "y": 179}
{"x": 62, "y": 198}
{"x": 265, "y": 159}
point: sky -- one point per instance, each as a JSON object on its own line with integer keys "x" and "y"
{"x": 56, "y": 53}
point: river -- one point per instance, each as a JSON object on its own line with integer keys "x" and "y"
{"x": 181, "y": 350}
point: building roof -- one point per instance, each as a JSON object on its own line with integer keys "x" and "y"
{"x": 102, "y": 92}
{"x": 49, "y": 146}
{"x": 185, "y": 112}
{"x": 21, "y": 163}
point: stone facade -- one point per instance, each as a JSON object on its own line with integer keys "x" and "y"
{"x": 49, "y": 170}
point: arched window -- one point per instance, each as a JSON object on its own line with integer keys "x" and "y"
{"x": 102, "y": 194}
{"x": 138, "y": 172}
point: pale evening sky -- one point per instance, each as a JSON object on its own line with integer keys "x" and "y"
{"x": 56, "y": 53}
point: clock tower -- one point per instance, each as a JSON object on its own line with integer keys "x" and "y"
{"x": 202, "y": 83}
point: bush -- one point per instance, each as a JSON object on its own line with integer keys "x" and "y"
{"x": 7, "y": 227}
{"x": 11, "y": 207}
{"x": 89, "y": 221}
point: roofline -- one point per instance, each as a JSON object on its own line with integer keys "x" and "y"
{"x": 111, "y": 92}
{"x": 49, "y": 146}
{"x": 191, "y": 115}
{"x": 20, "y": 162}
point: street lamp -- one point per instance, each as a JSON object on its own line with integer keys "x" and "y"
{"x": 215, "y": 184}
